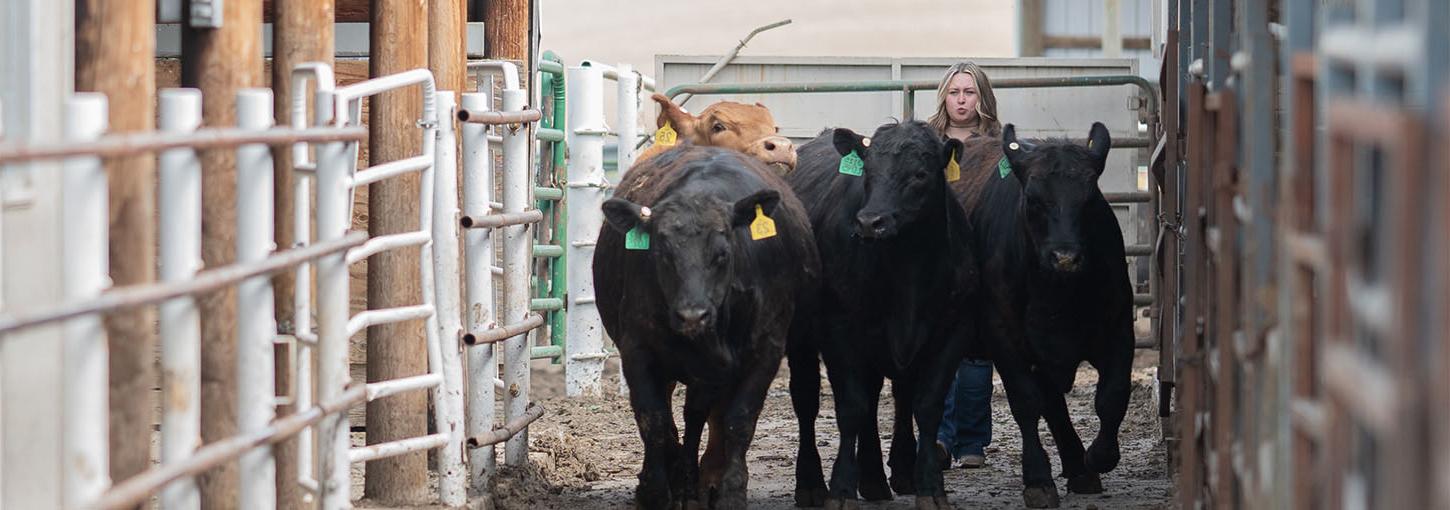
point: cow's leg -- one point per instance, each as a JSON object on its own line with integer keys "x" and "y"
{"x": 685, "y": 478}
{"x": 1115, "y": 372}
{"x": 848, "y": 383}
{"x": 929, "y": 390}
{"x": 868, "y": 448}
{"x": 903, "y": 439}
{"x": 1025, "y": 399}
{"x": 805, "y": 397}
{"x": 649, "y": 395}
{"x": 1069, "y": 445}
{"x": 738, "y": 415}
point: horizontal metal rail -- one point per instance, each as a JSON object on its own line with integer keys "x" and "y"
{"x": 546, "y": 304}
{"x": 551, "y": 67}
{"x": 509, "y": 429}
{"x": 382, "y": 389}
{"x": 139, "y": 488}
{"x": 497, "y": 118}
{"x": 156, "y": 141}
{"x": 549, "y": 135}
{"x": 1143, "y": 85}
{"x": 612, "y": 73}
{"x": 381, "y": 244}
{"x": 1124, "y": 197}
{"x": 1138, "y": 250}
{"x": 392, "y": 169}
{"x": 547, "y": 352}
{"x": 369, "y": 318}
{"x": 205, "y": 281}
{"x": 502, "y": 219}
{"x": 499, "y": 333}
{"x": 396, "y": 448}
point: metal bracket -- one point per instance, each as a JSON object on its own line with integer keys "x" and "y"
{"x": 206, "y": 13}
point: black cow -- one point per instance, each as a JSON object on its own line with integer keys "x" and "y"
{"x": 1056, "y": 292}
{"x": 898, "y": 278}
{"x": 706, "y": 304}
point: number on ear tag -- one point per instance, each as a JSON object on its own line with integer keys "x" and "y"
{"x": 636, "y": 239}
{"x": 665, "y": 135}
{"x": 762, "y": 227}
{"x": 851, "y": 164}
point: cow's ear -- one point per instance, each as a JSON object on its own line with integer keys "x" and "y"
{"x": 1098, "y": 143}
{"x": 1016, "y": 152}
{"x": 623, "y": 215}
{"x": 767, "y": 199}
{"x": 680, "y": 120}
{"x": 953, "y": 148}
{"x": 847, "y": 141}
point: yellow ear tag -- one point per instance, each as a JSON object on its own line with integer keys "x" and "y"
{"x": 665, "y": 135}
{"x": 954, "y": 170}
{"x": 762, "y": 227}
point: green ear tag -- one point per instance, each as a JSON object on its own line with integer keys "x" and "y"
{"x": 636, "y": 239}
{"x": 1003, "y": 167}
{"x": 851, "y": 164}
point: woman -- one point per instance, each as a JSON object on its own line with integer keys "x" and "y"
{"x": 966, "y": 108}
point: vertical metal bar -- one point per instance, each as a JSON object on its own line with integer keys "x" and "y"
{"x": 84, "y": 240}
{"x": 585, "y": 194}
{"x": 448, "y": 397}
{"x": 518, "y": 257}
{"x": 1191, "y": 358}
{"x": 302, "y": 234}
{"x": 1112, "y": 36}
{"x": 179, "y": 201}
{"x": 256, "y": 325}
{"x": 334, "y": 215}
{"x": 627, "y": 119}
{"x": 1228, "y": 402}
{"x": 478, "y": 256}
{"x": 1220, "y": 46}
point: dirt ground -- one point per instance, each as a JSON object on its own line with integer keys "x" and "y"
{"x": 587, "y": 451}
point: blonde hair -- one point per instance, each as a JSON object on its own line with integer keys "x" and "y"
{"x": 987, "y": 122}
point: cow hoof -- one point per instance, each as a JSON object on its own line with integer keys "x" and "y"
{"x": 875, "y": 490}
{"x": 933, "y": 503}
{"x": 1102, "y": 458}
{"x": 835, "y": 503}
{"x": 1041, "y": 497}
{"x": 810, "y": 497}
{"x": 651, "y": 498}
{"x": 903, "y": 485}
{"x": 1086, "y": 483}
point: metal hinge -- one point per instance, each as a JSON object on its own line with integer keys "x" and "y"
{"x": 206, "y": 13}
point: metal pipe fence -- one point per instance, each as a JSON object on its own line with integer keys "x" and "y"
{"x": 322, "y": 394}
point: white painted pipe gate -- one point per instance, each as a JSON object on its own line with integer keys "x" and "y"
{"x": 323, "y": 396}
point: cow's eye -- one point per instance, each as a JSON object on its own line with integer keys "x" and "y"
{"x": 720, "y": 257}
{"x": 920, "y": 176}
{"x": 718, "y": 127}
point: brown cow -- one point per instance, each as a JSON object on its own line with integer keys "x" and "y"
{"x": 727, "y": 124}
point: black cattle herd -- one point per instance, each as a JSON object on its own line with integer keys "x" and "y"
{"x": 884, "y": 257}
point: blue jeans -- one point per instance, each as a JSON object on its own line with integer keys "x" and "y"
{"x": 966, "y": 426}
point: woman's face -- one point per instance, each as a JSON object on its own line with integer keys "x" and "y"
{"x": 962, "y": 98}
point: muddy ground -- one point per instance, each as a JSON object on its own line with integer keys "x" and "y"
{"x": 587, "y": 451}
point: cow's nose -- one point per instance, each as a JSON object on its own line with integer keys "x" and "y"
{"x": 778, "y": 150}
{"x": 1067, "y": 259}
{"x": 693, "y": 315}
{"x": 872, "y": 224}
